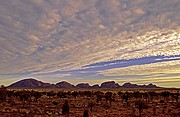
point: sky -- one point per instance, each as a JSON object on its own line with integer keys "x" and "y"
{"x": 91, "y": 41}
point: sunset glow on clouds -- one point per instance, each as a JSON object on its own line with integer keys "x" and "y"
{"x": 92, "y": 41}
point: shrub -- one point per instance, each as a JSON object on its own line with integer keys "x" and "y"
{"x": 3, "y": 94}
{"x": 85, "y": 114}
{"x": 141, "y": 105}
{"x": 65, "y": 108}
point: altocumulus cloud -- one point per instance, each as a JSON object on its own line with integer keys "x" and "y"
{"x": 59, "y": 36}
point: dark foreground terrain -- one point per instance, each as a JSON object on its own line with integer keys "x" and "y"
{"x": 92, "y": 103}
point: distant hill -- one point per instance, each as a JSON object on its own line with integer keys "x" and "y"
{"x": 110, "y": 84}
{"x": 83, "y": 85}
{"x": 33, "y": 83}
{"x": 64, "y": 84}
{"x": 96, "y": 86}
{"x": 30, "y": 83}
{"x": 129, "y": 85}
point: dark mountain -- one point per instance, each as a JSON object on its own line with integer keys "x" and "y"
{"x": 96, "y": 86}
{"x": 151, "y": 86}
{"x": 64, "y": 84}
{"x": 83, "y": 85}
{"x": 110, "y": 84}
{"x": 30, "y": 83}
{"x": 129, "y": 85}
{"x": 33, "y": 83}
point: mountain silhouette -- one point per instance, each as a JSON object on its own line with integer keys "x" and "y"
{"x": 33, "y": 83}
{"x": 30, "y": 83}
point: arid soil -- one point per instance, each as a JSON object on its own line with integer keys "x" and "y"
{"x": 97, "y": 103}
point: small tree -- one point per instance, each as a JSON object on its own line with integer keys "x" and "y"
{"x": 141, "y": 105}
{"x": 65, "y": 108}
{"x": 126, "y": 97}
{"x": 74, "y": 94}
{"x": 137, "y": 95}
{"x": 86, "y": 113}
{"x": 120, "y": 93}
{"x": 51, "y": 94}
{"x": 165, "y": 94}
{"x": 99, "y": 96}
{"x": 108, "y": 96}
{"x": 3, "y": 93}
{"x": 2, "y": 87}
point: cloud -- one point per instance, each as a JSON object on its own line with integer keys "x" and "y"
{"x": 169, "y": 67}
{"x": 63, "y": 35}
{"x": 169, "y": 58}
